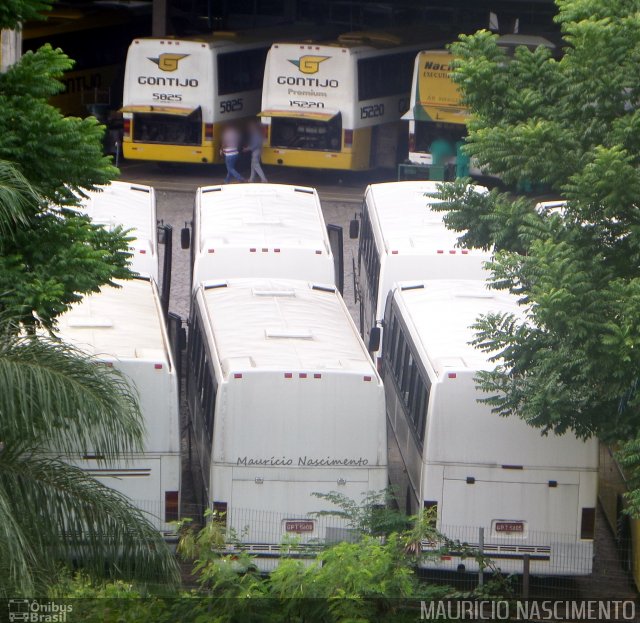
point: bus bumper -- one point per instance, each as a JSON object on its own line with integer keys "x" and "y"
{"x": 171, "y": 153}
{"x": 307, "y": 159}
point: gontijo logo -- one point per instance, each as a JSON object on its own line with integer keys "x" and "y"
{"x": 168, "y": 62}
{"x": 309, "y": 64}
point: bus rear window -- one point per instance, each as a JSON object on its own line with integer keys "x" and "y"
{"x": 169, "y": 129}
{"x": 307, "y": 134}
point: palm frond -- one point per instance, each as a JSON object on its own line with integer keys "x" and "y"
{"x": 18, "y": 199}
{"x": 58, "y": 513}
{"x": 54, "y": 394}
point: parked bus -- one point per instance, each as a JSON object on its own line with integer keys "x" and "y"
{"x": 401, "y": 238}
{"x": 284, "y": 402}
{"x": 133, "y": 207}
{"x": 337, "y": 105}
{"x": 263, "y": 230}
{"x": 96, "y": 37}
{"x": 437, "y": 117}
{"x": 124, "y": 326}
{"x": 531, "y": 494}
{"x": 179, "y": 93}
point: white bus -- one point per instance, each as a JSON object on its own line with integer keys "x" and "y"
{"x": 337, "y": 106}
{"x": 283, "y": 402}
{"x": 178, "y": 93}
{"x": 263, "y": 230}
{"x": 531, "y": 494}
{"x": 401, "y": 238}
{"x": 124, "y": 327}
{"x": 133, "y": 207}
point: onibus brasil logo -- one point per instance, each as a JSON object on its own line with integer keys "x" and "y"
{"x": 309, "y": 64}
{"x": 168, "y": 62}
{"x": 36, "y": 611}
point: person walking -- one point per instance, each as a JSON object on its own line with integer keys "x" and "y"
{"x": 255, "y": 147}
{"x": 231, "y": 150}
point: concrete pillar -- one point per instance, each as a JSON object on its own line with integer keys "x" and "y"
{"x": 10, "y": 48}
{"x": 159, "y": 22}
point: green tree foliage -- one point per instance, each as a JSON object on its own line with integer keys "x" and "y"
{"x": 572, "y": 360}
{"x": 13, "y": 12}
{"x": 49, "y": 258}
{"x": 60, "y": 155}
{"x": 370, "y": 579}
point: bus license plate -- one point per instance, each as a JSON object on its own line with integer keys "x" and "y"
{"x": 298, "y": 526}
{"x": 509, "y": 527}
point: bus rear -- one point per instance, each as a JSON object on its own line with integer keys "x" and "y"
{"x": 308, "y": 107}
{"x": 151, "y": 480}
{"x": 532, "y": 494}
{"x": 437, "y": 117}
{"x": 168, "y": 101}
{"x": 288, "y": 435}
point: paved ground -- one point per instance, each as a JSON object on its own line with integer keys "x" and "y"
{"x": 332, "y": 186}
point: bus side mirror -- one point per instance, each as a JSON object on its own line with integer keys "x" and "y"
{"x": 374, "y": 339}
{"x": 182, "y": 338}
{"x": 354, "y": 228}
{"x": 161, "y": 232}
{"x": 185, "y": 237}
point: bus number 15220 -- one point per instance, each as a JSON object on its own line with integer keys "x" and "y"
{"x": 375, "y": 110}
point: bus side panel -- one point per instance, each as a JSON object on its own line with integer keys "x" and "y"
{"x": 409, "y": 473}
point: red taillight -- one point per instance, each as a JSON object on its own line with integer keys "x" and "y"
{"x": 588, "y": 523}
{"x": 348, "y": 138}
{"x": 412, "y": 142}
{"x": 171, "y": 506}
{"x": 208, "y": 131}
{"x": 220, "y": 512}
{"x": 265, "y": 131}
{"x": 126, "y": 128}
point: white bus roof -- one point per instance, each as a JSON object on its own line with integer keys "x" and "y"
{"x": 253, "y": 215}
{"x": 404, "y": 222}
{"x": 123, "y": 323}
{"x": 442, "y": 312}
{"x": 280, "y": 324}
{"x": 132, "y": 206}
